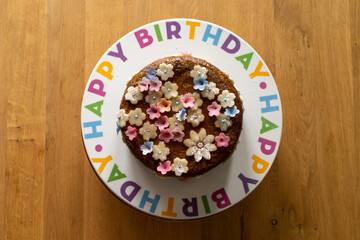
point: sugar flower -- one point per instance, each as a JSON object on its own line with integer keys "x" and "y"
{"x": 155, "y": 84}
{"x": 226, "y": 99}
{"x": 164, "y": 105}
{"x": 160, "y": 151}
{"x": 222, "y": 140}
{"x": 162, "y": 122}
{"x": 200, "y": 83}
{"x": 210, "y": 91}
{"x": 151, "y": 73}
{"x": 175, "y": 123}
{"x": 195, "y": 117}
{"x": 181, "y": 116}
{"x": 144, "y": 84}
{"x": 200, "y": 145}
{"x": 223, "y": 122}
{"x": 133, "y": 95}
{"x": 136, "y": 117}
{"x": 118, "y": 128}
{"x": 146, "y": 147}
{"x": 198, "y": 72}
{"x": 179, "y": 166}
{"x": 231, "y": 111}
{"x": 198, "y": 101}
{"x": 185, "y": 54}
{"x": 166, "y": 135}
{"x": 187, "y": 100}
{"x": 122, "y": 118}
{"x": 170, "y": 90}
{"x": 176, "y": 103}
{"x": 148, "y": 131}
{"x": 214, "y": 109}
{"x": 164, "y": 167}
{"x": 153, "y": 111}
{"x": 165, "y": 71}
{"x": 153, "y": 97}
{"x": 131, "y": 132}
{"x": 178, "y": 135}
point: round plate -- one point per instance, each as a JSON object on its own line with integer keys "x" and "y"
{"x": 175, "y": 198}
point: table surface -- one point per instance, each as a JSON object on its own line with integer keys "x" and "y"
{"x": 48, "y": 189}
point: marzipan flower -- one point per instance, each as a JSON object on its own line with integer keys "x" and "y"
{"x": 153, "y": 97}
{"x": 160, "y": 151}
{"x": 155, "y": 84}
{"x": 164, "y": 167}
{"x": 131, "y": 132}
{"x": 166, "y": 135}
{"x": 146, "y": 147}
{"x": 165, "y": 71}
{"x": 179, "y": 166}
{"x": 187, "y": 100}
{"x": 178, "y": 135}
{"x": 231, "y": 111}
{"x": 198, "y": 72}
{"x": 200, "y": 83}
{"x": 133, "y": 95}
{"x": 144, "y": 84}
{"x": 195, "y": 117}
{"x": 170, "y": 90}
{"x": 226, "y": 99}
{"x": 186, "y": 54}
{"x": 222, "y": 140}
{"x": 122, "y": 118}
{"x": 198, "y": 101}
{"x": 176, "y": 104}
{"x": 164, "y": 105}
{"x": 210, "y": 91}
{"x": 153, "y": 111}
{"x": 162, "y": 122}
{"x": 151, "y": 73}
{"x": 214, "y": 109}
{"x": 223, "y": 122}
{"x": 136, "y": 117}
{"x": 181, "y": 116}
{"x": 148, "y": 131}
{"x": 175, "y": 123}
{"x": 200, "y": 145}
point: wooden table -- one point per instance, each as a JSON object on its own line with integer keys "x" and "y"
{"x": 48, "y": 189}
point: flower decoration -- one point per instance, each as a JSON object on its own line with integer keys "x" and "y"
{"x": 179, "y": 166}
{"x": 187, "y": 100}
{"x": 164, "y": 105}
{"x": 176, "y": 103}
{"x": 122, "y": 118}
{"x": 165, "y": 71}
{"x": 151, "y": 73}
{"x": 148, "y": 131}
{"x": 164, "y": 167}
{"x": 223, "y": 122}
{"x": 144, "y": 84}
{"x": 222, "y": 140}
{"x": 166, "y": 135}
{"x": 170, "y": 90}
{"x": 133, "y": 95}
{"x": 131, "y": 132}
{"x": 153, "y": 111}
{"x": 178, "y": 135}
{"x": 210, "y": 91}
{"x": 162, "y": 122}
{"x": 198, "y": 101}
{"x": 136, "y": 117}
{"x": 226, "y": 99}
{"x": 195, "y": 117}
{"x": 146, "y": 147}
{"x": 181, "y": 116}
{"x": 198, "y": 72}
{"x": 200, "y": 83}
{"x": 186, "y": 54}
{"x": 175, "y": 123}
{"x": 118, "y": 128}
{"x": 214, "y": 109}
{"x": 231, "y": 111}
{"x": 155, "y": 84}
{"x": 160, "y": 151}
{"x": 153, "y": 97}
{"x": 200, "y": 145}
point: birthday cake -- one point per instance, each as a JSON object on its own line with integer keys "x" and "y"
{"x": 181, "y": 116}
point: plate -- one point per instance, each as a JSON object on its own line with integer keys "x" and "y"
{"x": 172, "y": 198}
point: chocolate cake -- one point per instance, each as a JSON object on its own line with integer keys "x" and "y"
{"x": 181, "y": 116}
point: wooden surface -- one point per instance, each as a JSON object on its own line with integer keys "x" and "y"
{"x": 47, "y": 187}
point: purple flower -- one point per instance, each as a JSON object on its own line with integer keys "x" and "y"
{"x": 200, "y": 83}
{"x": 151, "y": 73}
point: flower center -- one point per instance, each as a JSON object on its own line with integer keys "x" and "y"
{"x": 199, "y": 73}
{"x": 223, "y": 121}
{"x": 148, "y": 130}
{"x": 195, "y": 116}
{"x": 169, "y": 89}
{"x": 176, "y": 124}
{"x": 209, "y": 89}
{"x": 159, "y": 152}
{"x": 200, "y": 145}
{"x": 136, "y": 116}
{"x": 225, "y": 99}
{"x": 165, "y": 71}
{"x": 133, "y": 94}
{"x": 154, "y": 97}
{"x": 177, "y": 103}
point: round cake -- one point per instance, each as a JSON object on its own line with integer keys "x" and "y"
{"x": 181, "y": 116}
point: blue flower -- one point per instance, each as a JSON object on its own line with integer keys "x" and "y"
{"x": 146, "y": 148}
{"x": 200, "y": 83}
{"x": 151, "y": 73}
{"x": 118, "y": 128}
{"x": 181, "y": 116}
{"x": 231, "y": 111}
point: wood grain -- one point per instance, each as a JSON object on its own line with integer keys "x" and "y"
{"x": 48, "y": 189}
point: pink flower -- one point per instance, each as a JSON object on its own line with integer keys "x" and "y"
{"x": 164, "y": 167}
{"x": 153, "y": 111}
{"x": 222, "y": 140}
{"x": 131, "y": 132}
{"x": 186, "y": 53}
{"x": 166, "y": 135}
{"x": 187, "y": 101}
{"x": 214, "y": 109}
{"x": 144, "y": 84}
{"x": 155, "y": 84}
{"x": 178, "y": 135}
{"x": 162, "y": 122}
{"x": 165, "y": 105}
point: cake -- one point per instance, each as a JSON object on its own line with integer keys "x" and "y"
{"x": 181, "y": 116}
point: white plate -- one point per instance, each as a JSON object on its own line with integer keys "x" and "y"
{"x": 225, "y": 185}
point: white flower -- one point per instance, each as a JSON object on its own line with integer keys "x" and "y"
{"x": 195, "y": 117}
{"x": 122, "y": 118}
{"x": 200, "y": 145}
{"x": 226, "y": 99}
{"x": 148, "y": 131}
{"x": 160, "y": 151}
{"x": 136, "y": 117}
{"x": 210, "y": 91}
{"x": 133, "y": 95}
{"x": 175, "y": 123}
{"x": 170, "y": 90}
{"x": 179, "y": 166}
{"x": 198, "y": 71}
{"x": 165, "y": 71}
{"x": 176, "y": 103}
{"x": 223, "y": 122}
{"x": 198, "y": 102}
{"x": 153, "y": 97}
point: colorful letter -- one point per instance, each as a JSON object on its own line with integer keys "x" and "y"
{"x": 94, "y": 133}
{"x": 216, "y": 36}
{"x": 267, "y": 125}
{"x": 133, "y": 192}
{"x": 142, "y": 35}
{"x": 245, "y": 182}
{"x": 169, "y": 212}
{"x": 268, "y": 107}
{"x": 206, "y": 204}
{"x": 97, "y": 86}
{"x": 193, "y": 26}
{"x": 264, "y": 142}
{"x": 231, "y": 38}
{"x": 95, "y": 107}
{"x": 119, "y": 53}
{"x": 190, "y": 204}
{"x": 103, "y": 162}
{"x": 158, "y": 33}
{"x": 256, "y": 163}
{"x": 115, "y": 174}
{"x": 174, "y": 32}
{"x": 258, "y": 72}
{"x": 245, "y": 59}
{"x": 221, "y": 198}
{"x": 106, "y": 73}
{"x": 145, "y": 198}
